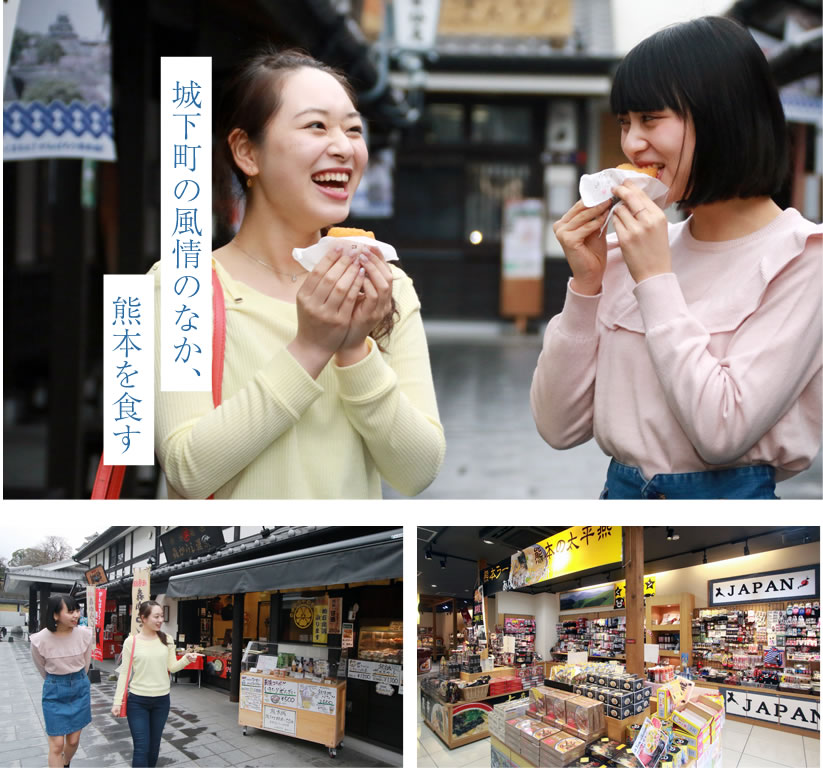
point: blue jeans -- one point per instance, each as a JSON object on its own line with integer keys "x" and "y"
{"x": 752, "y": 482}
{"x": 147, "y": 716}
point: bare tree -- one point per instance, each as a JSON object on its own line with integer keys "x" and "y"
{"x": 51, "y": 550}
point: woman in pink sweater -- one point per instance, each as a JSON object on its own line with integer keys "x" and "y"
{"x": 691, "y": 352}
{"x": 62, "y": 654}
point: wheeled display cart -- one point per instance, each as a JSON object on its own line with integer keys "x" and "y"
{"x": 301, "y": 708}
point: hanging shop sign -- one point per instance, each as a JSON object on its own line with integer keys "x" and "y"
{"x": 773, "y": 708}
{"x": 538, "y": 18}
{"x": 347, "y": 638}
{"x": 335, "y": 615}
{"x": 576, "y": 549}
{"x": 97, "y": 575}
{"x": 188, "y": 541}
{"x": 495, "y": 577}
{"x": 320, "y": 630}
{"x": 522, "y": 252}
{"x": 765, "y": 587}
{"x": 57, "y": 88}
{"x": 91, "y": 607}
{"x": 99, "y": 624}
{"x": 375, "y": 671}
{"x": 649, "y": 590}
{"x": 140, "y": 592}
{"x": 415, "y": 24}
{"x": 302, "y": 613}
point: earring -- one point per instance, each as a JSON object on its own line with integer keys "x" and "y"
{"x": 250, "y": 182}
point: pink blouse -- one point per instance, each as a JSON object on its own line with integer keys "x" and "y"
{"x": 61, "y": 653}
{"x": 714, "y": 365}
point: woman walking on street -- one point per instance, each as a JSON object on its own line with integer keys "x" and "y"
{"x": 151, "y": 655}
{"x": 62, "y": 654}
{"x": 691, "y": 351}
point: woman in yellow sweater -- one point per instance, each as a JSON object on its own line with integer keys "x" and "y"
{"x": 327, "y": 384}
{"x": 147, "y": 706}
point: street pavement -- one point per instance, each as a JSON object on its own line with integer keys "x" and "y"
{"x": 202, "y": 728}
{"x": 482, "y": 376}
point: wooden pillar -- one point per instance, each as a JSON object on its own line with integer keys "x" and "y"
{"x": 633, "y": 560}
{"x": 45, "y": 593}
{"x": 454, "y": 626}
{"x": 238, "y": 609}
{"x": 33, "y": 626}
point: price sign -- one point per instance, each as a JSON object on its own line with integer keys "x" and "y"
{"x": 318, "y": 698}
{"x": 280, "y": 692}
{"x": 375, "y": 671}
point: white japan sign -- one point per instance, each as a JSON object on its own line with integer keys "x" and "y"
{"x": 415, "y": 23}
{"x": 797, "y": 713}
{"x": 801, "y": 583}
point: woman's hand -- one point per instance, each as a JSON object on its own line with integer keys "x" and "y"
{"x": 578, "y": 232}
{"x": 643, "y": 232}
{"x": 191, "y": 657}
{"x": 324, "y": 308}
{"x": 115, "y": 710}
{"x": 370, "y": 309}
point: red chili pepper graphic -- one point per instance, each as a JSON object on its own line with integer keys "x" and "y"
{"x": 804, "y": 582}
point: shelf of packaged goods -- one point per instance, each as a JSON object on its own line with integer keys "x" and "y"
{"x": 673, "y": 654}
{"x": 664, "y": 628}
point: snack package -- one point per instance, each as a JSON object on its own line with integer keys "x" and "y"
{"x": 596, "y": 188}
{"x": 310, "y": 257}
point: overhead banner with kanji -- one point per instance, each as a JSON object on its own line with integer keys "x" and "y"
{"x": 578, "y": 548}
{"x": 57, "y": 88}
{"x": 140, "y": 592}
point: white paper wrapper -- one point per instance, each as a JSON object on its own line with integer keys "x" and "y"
{"x": 596, "y": 188}
{"x": 310, "y": 257}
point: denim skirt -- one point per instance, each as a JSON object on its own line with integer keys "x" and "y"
{"x": 752, "y": 482}
{"x": 66, "y": 703}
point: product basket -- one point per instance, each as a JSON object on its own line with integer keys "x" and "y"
{"x": 476, "y": 693}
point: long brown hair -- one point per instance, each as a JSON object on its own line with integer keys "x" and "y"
{"x": 250, "y": 101}
{"x": 144, "y": 611}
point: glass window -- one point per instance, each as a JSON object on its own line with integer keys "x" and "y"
{"x": 495, "y": 124}
{"x": 443, "y": 124}
{"x": 489, "y": 185}
{"x": 428, "y": 202}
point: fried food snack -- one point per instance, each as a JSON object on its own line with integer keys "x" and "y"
{"x": 649, "y": 170}
{"x": 349, "y": 232}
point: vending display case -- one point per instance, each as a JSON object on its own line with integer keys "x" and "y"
{"x": 384, "y": 644}
{"x": 259, "y": 657}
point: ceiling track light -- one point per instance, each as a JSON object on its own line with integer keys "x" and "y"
{"x": 746, "y": 548}
{"x": 427, "y": 553}
{"x": 443, "y": 562}
{"x": 705, "y": 559}
{"x": 671, "y": 535}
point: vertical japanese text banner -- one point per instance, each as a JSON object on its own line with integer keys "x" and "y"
{"x": 185, "y": 224}
{"x": 140, "y": 592}
{"x": 100, "y": 620}
{"x": 128, "y": 367}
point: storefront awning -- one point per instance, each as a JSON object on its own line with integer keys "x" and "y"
{"x": 377, "y": 556}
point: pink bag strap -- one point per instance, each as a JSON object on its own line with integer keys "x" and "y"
{"x": 109, "y": 479}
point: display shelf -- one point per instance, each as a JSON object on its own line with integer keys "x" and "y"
{"x": 668, "y": 623}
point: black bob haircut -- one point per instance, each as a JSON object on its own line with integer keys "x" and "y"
{"x": 55, "y": 605}
{"x": 712, "y": 71}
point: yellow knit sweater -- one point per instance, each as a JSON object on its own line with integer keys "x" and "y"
{"x": 150, "y": 668}
{"x": 279, "y": 434}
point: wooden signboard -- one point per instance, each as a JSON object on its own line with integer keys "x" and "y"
{"x": 304, "y": 709}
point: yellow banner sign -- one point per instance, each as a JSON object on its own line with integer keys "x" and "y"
{"x": 649, "y": 590}
{"x": 576, "y": 549}
{"x": 320, "y": 631}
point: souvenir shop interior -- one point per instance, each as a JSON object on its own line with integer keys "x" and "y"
{"x": 625, "y": 646}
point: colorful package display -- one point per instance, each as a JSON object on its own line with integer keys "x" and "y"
{"x": 585, "y": 716}
{"x": 616, "y": 753}
{"x": 561, "y": 749}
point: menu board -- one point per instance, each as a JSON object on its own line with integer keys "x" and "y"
{"x": 318, "y": 698}
{"x": 281, "y": 720}
{"x": 279, "y": 692}
{"x": 376, "y": 671}
{"x": 320, "y": 631}
{"x": 251, "y": 692}
{"x": 335, "y": 615}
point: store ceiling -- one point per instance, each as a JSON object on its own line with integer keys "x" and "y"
{"x": 461, "y": 548}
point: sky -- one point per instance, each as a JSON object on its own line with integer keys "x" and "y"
{"x": 84, "y": 15}
{"x": 14, "y": 537}
{"x": 635, "y": 20}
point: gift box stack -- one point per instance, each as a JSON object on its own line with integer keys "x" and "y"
{"x": 623, "y": 695}
{"x": 531, "y": 736}
{"x": 560, "y": 748}
{"x": 501, "y": 685}
{"x": 531, "y": 676}
{"x": 505, "y": 711}
{"x": 613, "y": 753}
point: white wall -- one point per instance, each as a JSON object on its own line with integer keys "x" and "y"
{"x": 695, "y": 579}
{"x": 143, "y": 545}
{"x": 545, "y": 607}
{"x": 169, "y": 627}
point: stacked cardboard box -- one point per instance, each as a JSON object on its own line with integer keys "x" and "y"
{"x": 560, "y": 748}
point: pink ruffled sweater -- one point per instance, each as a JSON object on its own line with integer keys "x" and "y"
{"x": 714, "y": 365}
